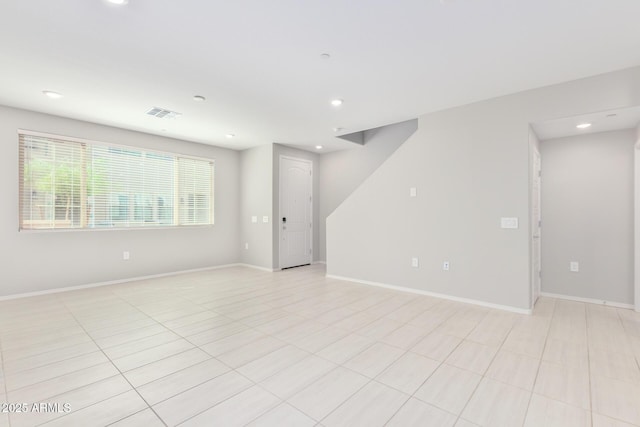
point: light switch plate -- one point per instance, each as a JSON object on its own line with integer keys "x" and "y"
{"x": 445, "y": 266}
{"x": 574, "y": 266}
{"x": 413, "y": 192}
{"x": 254, "y": 219}
{"x": 506, "y": 222}
{"x": 415, "y": 263}
{"x": 265, "y": 219}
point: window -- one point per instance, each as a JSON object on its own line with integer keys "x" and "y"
{"x": 67, "y": 183}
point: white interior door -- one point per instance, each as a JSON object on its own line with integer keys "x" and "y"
{"x": 295, "y": 212}
{"x": 536, "y": 226}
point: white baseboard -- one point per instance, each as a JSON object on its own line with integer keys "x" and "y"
{"x": 435, "y": 294}
{"x": 111, "y": 282}
{"x": 588, "y": 300}
{"x": 256, "y": 267}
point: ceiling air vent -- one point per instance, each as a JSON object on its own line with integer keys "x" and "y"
{"x": 161, "y": 113}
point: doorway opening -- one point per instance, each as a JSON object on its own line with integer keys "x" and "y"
{"x": 589, "y": 207}
{"x": 295, "y": 212}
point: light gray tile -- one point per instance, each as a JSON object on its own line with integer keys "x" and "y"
{"x": 294, "y": 378}
{"x": 472, "y": 356}
{"x": 146, "y": 418}
{"x": 568, "y": 385}
{"x": 238, "y": 410}
{"x": 283, "y": 415}
{"x": 408, "y": 372}
{"x": 170, "y": 385}
{"x": 497, "y": 404}
{"x": 47, "y": 372}
{"x": 449, "y": 388}
{"x": 553, "y": 413}
{"x": 417, "y": 413}
{"x": 345, "y": 348}
{"x": 103, "y": 413}
{"x": 195, "y": 400}
{"x": 375, "y": 359}
{"x": 372, "y": 406}
{"x": 272, "y": 363}
{"x": 328, "y": 392}
{"x": 514, "y": 369}
{"x": 155, "y": 370}
{"x": 151, "y": 355}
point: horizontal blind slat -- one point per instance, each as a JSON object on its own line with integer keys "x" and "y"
{"x": 63, "y": 181}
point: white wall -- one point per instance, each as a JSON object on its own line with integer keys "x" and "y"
{"x": 256, "y": 200}
{"x": 281, "y": 150}
{"x": 36, "y": 261}
{"x": 471, "y": 167}
{"x": 587, "y": 211}
{"x": 341, "y": 172}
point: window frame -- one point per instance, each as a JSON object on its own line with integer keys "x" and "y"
{"x": 89, "y": 142}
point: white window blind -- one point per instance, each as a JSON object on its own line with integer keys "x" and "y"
{"x": 72, "y": 184}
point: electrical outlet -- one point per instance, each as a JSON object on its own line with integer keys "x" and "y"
{"x": 413, "y": 192}
{"x": 415, "y": 263}
{"x": 265, "y": 219}
{"x": 246, "y": 246}
{"x": 126, "y": 255}
{"x": 254, "y": 219}
{"x": 574, "y": 266}
{"x": 445, "y": 266}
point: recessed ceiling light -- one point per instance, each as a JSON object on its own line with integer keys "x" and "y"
{"x": 325, "y": 56}
{"x": 199, "y": 98}
{"x": 319, "y": 147}
{"x": 230, "y": 135}
{"x": 337, "y": 102}
{"x": 583, "y": 125}
{"x": 52, "y": 95}
{"x": 338, "y": 129}
{"x": 118, "y": 2}
{"x": 611, "y": 115}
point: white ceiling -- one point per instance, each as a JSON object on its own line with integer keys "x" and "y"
{"x": 603, "y": 121}
{"x": 258, "y": 62}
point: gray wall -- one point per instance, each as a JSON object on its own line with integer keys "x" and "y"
{"x": 281, "y": 150}
{"x": 471, "y": 167}
{"x": 587, "y": 211}
{"x": 256, "y": 200}
{"x": 36, "y": 261}
{"x": 341, "y": 172}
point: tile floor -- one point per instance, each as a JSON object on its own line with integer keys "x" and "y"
{"x": 236, "y": 347}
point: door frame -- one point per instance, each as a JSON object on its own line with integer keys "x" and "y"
{"x": 280, "y": 192}
{"x": 636, "y": 221}
{"x": 536, "y": 290}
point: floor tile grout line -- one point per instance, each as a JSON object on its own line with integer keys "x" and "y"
{"x": 312, "y": 354}
{"x": 122, "y": 374}
{"x": 212, "y": 357}
{"x": 636, "y": 354}
{"x": 440, "y": 363}
{"x": 486, "y": 369}
{"x": 14, "y": 349}
{"x": 375, "y": 340}
{"x": 544, "y": 347}
{"x": 587, "y": 321}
